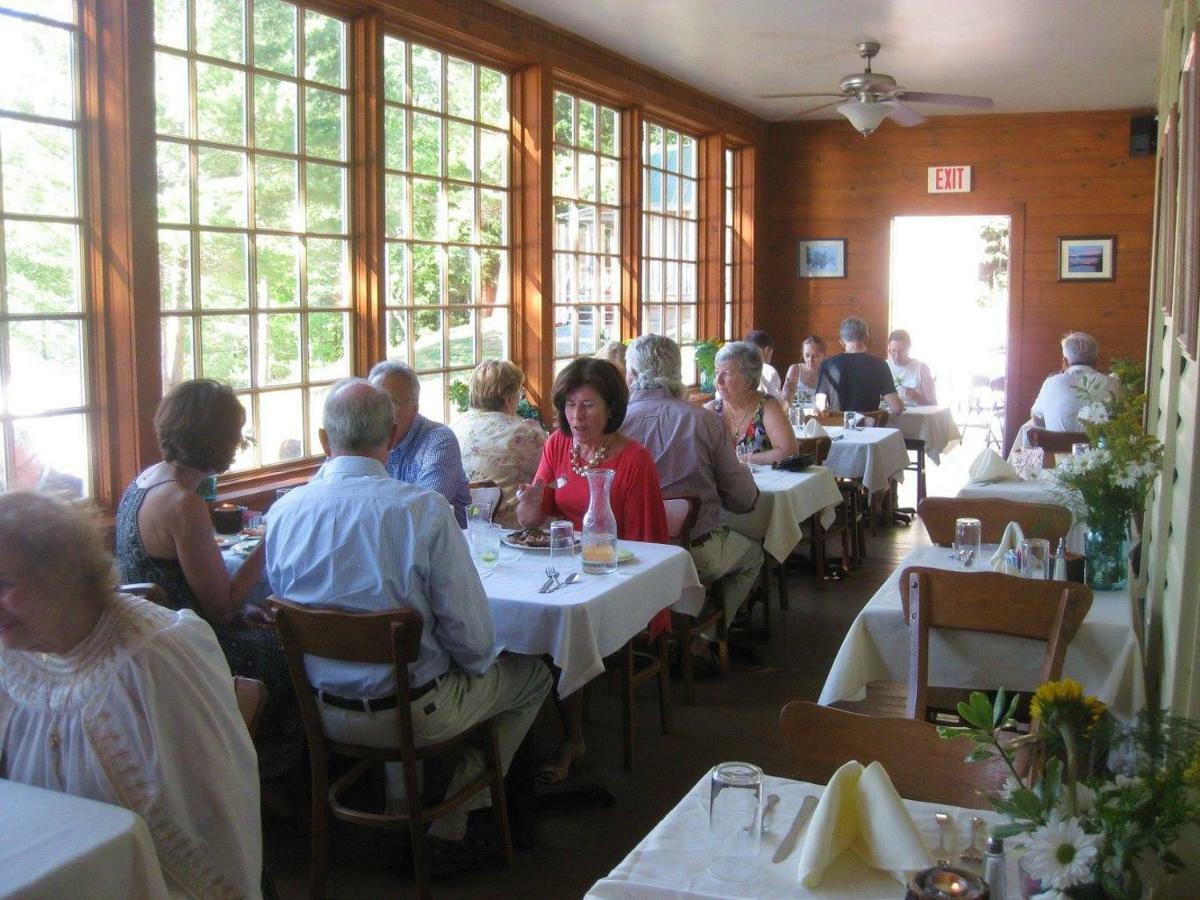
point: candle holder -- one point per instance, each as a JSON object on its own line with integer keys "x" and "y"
{"x": 227, "y": 518}
{"x": 941, "y": 882}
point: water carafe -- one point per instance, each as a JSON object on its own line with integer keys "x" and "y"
{"x": 599, "y": 525}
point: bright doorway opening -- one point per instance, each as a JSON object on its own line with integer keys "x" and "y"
{"x": 949, "y": 290}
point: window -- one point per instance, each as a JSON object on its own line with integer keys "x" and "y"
{"x": 587, "y": 227}
{"x": 45, "y": 393}
{"x": 446, "y": 157}
{"x": 670, "y": 239}
{"x": 251, "y": 119}
{"x": 727, "y": 298}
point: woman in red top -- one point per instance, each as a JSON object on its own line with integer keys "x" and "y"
{"x": 591, "y": 396}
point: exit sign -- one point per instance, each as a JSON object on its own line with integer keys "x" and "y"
{"x": 949, "y": 179}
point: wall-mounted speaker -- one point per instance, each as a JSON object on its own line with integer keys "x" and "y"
{"x": 1143, "y": 135}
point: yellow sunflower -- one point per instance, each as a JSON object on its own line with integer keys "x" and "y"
{"x": 1064, "y": 700}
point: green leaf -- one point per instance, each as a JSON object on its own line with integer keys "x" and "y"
{"x": 998, "y": 709}
{"x": 1010, "y": 830}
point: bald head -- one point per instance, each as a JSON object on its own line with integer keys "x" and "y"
{"x": 357, "y": 420}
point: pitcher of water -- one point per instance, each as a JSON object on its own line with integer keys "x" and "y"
{"x": 599, "y": 525}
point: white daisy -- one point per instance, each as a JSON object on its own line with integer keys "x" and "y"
{"x": 1061, "y": 854}
{"x": 1128, "y": 477}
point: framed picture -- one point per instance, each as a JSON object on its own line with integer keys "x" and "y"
{"x": 821, "y": 258}
{"x": 1087, "y": 257}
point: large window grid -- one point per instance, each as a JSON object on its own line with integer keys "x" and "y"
{"x": 446, "y": 157}
{"x": 45, "y": 402}
{"x": 587, "y": 226}
{"x": 670, "y": 239}
{"x": 252, "y": 133}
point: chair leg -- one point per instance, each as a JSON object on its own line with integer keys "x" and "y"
{"x": 319, "y": 838}
{"x": 664, "y": 684}
{"x": 420, "y": 844}
{"x": 818, "y": 546}
{"x": 921, "y": 474}
{"x": 723, "y": 645}
{"x": 781, "y": 578}
{"x": 627, "y": 707}
{"x": 499, "y": 801}
{"x": 687, "y": 663}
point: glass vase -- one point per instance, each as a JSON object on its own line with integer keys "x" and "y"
{"x": 599, "y": 525}
{"x": 706, "y": 382}
{"x": 1106, "y": 557}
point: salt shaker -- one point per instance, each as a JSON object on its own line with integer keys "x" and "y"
{"x": 1060, "y": 561}
{"x": 993, "y": 867}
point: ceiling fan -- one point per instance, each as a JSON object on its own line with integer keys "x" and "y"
{"x": 867, "y": 98}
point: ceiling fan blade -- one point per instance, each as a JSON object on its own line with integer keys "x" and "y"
{"x": 947, "y": 99}
{"x": 903, "y": 115}
{"x": 791, "y": 96}
{"x": 811, "y": 109}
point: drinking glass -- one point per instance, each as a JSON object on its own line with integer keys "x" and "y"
{"x": 735, "y": 821}
{"x": 485, "y": 545}
{"x": 968, "y": 535}
{"x": 479, "y": 512}
{"x": 562, "y": 547}
{"x": 744, "y": 452}
{"x": 796, "y": 417}
{"x": 1077, "y": 449}
{"x": 1034, "y": 557}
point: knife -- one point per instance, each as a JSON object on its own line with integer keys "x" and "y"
{"x": 788, "y": 844}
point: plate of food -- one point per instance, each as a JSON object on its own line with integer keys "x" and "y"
{"x": 530, "y": 539}
{"x": 247, "y": 546}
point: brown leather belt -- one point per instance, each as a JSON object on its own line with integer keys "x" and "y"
{"x": 373, "y": 704}
{"x": 701, "y": 541}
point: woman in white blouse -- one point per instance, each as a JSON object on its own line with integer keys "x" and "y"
{"x": 497, "y": 444}
{"x": 114, "y": 698}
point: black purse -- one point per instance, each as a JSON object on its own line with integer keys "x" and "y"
{"x": 797, "y": 463}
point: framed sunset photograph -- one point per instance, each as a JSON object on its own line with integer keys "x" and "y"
{"x": 1087, "y": 257}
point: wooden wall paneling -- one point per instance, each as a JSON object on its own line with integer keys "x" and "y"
{"x": 367, "y": 191}
{"x": 711, "y": 275}
{"x": 632, "y": 189}
{"x": 532, "y": 211}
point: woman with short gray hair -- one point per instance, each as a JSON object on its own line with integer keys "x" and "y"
{"x": 755, "y": 422}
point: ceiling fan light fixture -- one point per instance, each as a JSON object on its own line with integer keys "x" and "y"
{"x": 864, "y": 116}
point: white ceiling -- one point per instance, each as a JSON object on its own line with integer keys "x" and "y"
{"x": 1028, "y": 55}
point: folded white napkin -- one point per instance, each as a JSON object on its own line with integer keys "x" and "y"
{"x": 1011, "y": 540}
{"x": 861, "y": 811}
{"x": 812, "y": 428}
{"x": 989, "y": 467}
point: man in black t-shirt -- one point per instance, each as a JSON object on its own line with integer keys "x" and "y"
{"x": 855, "y": 381}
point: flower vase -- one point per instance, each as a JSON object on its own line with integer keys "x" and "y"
{"x": 706, "y": 382}
{"x": 1106, "y": 557}
{"x": 599, "y": 525}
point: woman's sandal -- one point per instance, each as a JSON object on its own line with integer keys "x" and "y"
{"x": 556, "y": 771}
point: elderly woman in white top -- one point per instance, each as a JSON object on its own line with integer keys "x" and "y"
{"x": 111, "y": 697}
{"x": 754, "y": 422}
{"x": 497, "y": 444}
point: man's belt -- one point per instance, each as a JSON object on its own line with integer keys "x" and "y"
{"x": 701, "y": 541}
{"x": 373, "y": 704}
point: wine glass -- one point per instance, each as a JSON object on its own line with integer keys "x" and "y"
{"x": 968, "y": 536}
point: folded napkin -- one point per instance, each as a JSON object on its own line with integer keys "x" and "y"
{"x": 861, "y": 811}
{"x": 1010, "y": 541}
{"x": 989, "y": 467}
{"x": 812, "y": 428}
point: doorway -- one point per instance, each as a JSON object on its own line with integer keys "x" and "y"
{"x": 949, "y": 289}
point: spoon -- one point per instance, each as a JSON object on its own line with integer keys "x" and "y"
{"x": 942, "y": 853}
{"x": 772, "y": 799}
{"x": 571, "y": 579}
{"x": 973, "y": 854}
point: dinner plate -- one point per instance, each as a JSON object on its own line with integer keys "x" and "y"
{"x": 246, "y": 547}
{"x": 507, "y": 543}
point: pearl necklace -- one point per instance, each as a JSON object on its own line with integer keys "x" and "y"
{"x": 579, "y": 466}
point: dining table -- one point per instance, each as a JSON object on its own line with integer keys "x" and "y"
{"x": 55, "y": 845}
{"x": 932, "y": 427}
{"x": 785, "y": 501}
{"x": 669, "y": 863}
{"x": 873, "y": 456}
{"x": 1104, "y": 656}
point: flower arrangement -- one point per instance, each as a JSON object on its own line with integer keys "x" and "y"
{"x": 1097, "y": 797}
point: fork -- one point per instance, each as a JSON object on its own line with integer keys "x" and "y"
{"x": 552, "y": 574}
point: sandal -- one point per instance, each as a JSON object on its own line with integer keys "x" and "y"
{"x": 556, "y": 771}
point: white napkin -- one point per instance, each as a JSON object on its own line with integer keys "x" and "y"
{"x": 988, "y": 467}
{"x": 812, "y": 428}
{"x": 861, "y": 811}
{"x": 1011, "y": 540}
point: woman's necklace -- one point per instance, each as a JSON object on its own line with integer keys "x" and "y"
{"x": 579, "y": 466}
{"x": 737, "y": 429}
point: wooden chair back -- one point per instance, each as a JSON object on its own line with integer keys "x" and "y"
{"x": 830, "y": 417}
{"x": 1053, "y": 442}
{"x": 251, "y": 697}
{"x": 877, "y": 418}
{"x": 921, "y": 765}
{"x": 487, "y": 492}
{"x": 1037, "y": 520}
{"x": 155, "y": 593}
{"x": 681, "y": 518}
{"x": 817, "y": 447}
{"x": 1049, "y": 611}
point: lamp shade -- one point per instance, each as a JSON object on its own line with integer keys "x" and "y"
{"x": 864, "y": 116}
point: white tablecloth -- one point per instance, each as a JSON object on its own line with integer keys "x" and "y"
{"x": 582, "y": 623}
{"x": 785, "y": 500}
{"x": 872, "y": 455}
{"x": 55, "y": 845}
{"x": 1039, "y": 490}
{"x": 670, "y": 861}
{"x": 932, "y": 424}
{"x": 1104, "y": 656}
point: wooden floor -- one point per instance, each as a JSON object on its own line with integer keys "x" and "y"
{"x": 579, "y": 842}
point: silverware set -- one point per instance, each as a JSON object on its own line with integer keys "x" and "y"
{"x": 553, "y": 583}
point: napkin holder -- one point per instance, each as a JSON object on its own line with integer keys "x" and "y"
{"x": 797, "y": 463}
{"x": 227, "y": 518}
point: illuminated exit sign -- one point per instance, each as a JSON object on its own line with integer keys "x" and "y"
{"x": 949, "y": 179}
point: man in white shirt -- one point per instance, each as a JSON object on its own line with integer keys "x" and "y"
{"x": 770, "y": 383}
{"x": 1078, "y": 383}
{"x": 914, "y": 381}
{"x": 357, "y": 539}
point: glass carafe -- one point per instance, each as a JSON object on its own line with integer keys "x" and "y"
{"x": 599, "y": 525}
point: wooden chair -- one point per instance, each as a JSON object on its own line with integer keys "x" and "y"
{"x": 816, "y": 535}
{"x": 155, "y": 593}
{"x": 1050, "y": 611}
{"x": 830, "y": 417}
{"x": 921, "y": 765}
{"x": 391, "y": 638}
{"x": 1040, "y": 520}
{"x": 681, "y": 518}
{"x": 1053, "y": 442}
{"x": 487, "y": 492}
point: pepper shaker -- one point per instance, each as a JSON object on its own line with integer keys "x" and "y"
{"x": 1060, "y": 561}
{"x": 994, "y": 867}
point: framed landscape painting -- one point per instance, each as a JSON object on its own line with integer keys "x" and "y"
{"x": 821, "y": 258}
{"x": 1087, "y": 258}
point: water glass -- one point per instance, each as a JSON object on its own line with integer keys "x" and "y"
{"x": 479, "y": 512}
{"x": 848, "y": 420}
{"x": 1034, "y": 557}
{"x": 485, "y": 545}
{"x": 968, "y": 536}
{"x": 562, "y": 547}
{"x": 1078, "y": 449}
{"x": 735, "y": 821}
{"x": 744, "y": 452}
{"x": 796, "y": 417}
